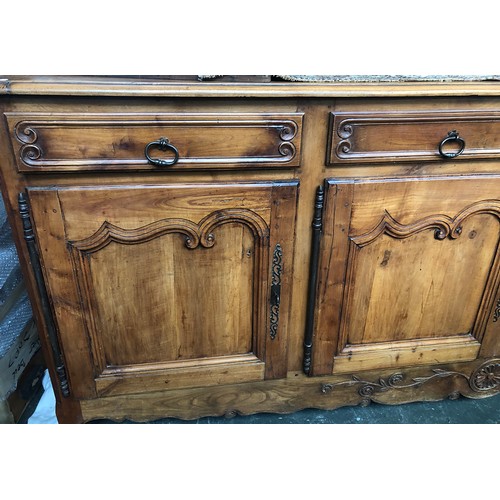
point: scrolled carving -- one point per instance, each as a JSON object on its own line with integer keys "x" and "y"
{"x": 486, "y": 377}
{"x": 491, "y": 207}
{"x": 277, "y": 268}
{"x": 192, "y": 238}
{"x": 389, "y": 225}
{"x": 287, "y": 149}
{"x": 395, "y": 379}
{"x": 345, "y": 129}
{"x": 109, "y": 232}
{"x": 441, "y": 233}
{"x": 445, "y": 226}
{"x": 288, "y": 131}
{"x": 196, "y": 234}
{"x": 496, "y": 312}
{"x": 344, "y": 147}
{"x": 277, "y": 139}
{"x": 30, "y": 152}
{"x": 368, "y": 389}
{"x": 25, "y": 133}
{"x": 207, "y": 240}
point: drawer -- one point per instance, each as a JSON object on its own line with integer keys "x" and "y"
{"x": 379, "y": 137}
{"x": 58, "y": 142}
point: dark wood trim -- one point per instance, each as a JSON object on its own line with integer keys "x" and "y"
{"x": 29, "y": 237}
{"x": 317, "y": 226}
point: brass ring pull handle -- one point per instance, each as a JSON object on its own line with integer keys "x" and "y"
{"x": 162, "y": 144}
{"x": 452, "y": 136}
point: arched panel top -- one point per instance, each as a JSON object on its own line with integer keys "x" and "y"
{"x": 445, "y": 226}
{"x": 196, "y": 233}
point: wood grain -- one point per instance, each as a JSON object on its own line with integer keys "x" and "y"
{"x": 178, "y": 316}
{"x": 388, "y": 136}
{"x": 332, "y": 275}
{"x": 298, "y": 392}
{"x": 121, "y": 232}
{"x": 117, "y": 141}
{"x": 409, "y": 287}
{"x": 401, "y": 283}
{"x": 111, "y": 86}
{"x": 175, "y": 289}
{"x": 196, "y": 373}
{"x": 63, "y": 291}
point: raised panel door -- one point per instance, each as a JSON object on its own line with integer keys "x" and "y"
{"x": 158, "y": 287}
{"x": 409, "y": 272}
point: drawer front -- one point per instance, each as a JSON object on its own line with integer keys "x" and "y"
{"x": 117, "y": 141}
{"x": 416, "y": 136}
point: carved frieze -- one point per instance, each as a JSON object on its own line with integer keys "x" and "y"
{"x": 486, "y": 377}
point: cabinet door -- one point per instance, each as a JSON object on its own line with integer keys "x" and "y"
{"x": 408, "y": 273}
{"x": 158, "y": 287}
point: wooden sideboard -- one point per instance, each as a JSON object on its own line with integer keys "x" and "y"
{"x": 196, "y": 249}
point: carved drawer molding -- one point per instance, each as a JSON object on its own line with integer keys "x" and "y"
{"x": 378, "y": 291}
{"x": 377, "y": 137}
{"x": 59, "y": 142}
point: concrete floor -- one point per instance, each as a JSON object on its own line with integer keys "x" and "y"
{"x": 461, "y": 411}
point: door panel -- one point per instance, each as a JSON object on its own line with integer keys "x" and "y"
{"x": 184, "y": 320}
{"x": 420, "y": 276}
{"x": 171, "y": 284}
{"x": 403, "y": 285}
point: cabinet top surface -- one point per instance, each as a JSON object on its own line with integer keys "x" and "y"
{"x": 152, "y": 86}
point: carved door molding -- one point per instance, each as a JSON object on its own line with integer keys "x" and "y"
{"x": 104, "y": 257}
{"x": 365, "y": 249}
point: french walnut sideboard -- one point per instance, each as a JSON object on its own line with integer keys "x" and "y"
{"x": 204, "y": 248}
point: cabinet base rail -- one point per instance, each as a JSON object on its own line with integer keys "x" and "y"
{"x": 477, "y": 379}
